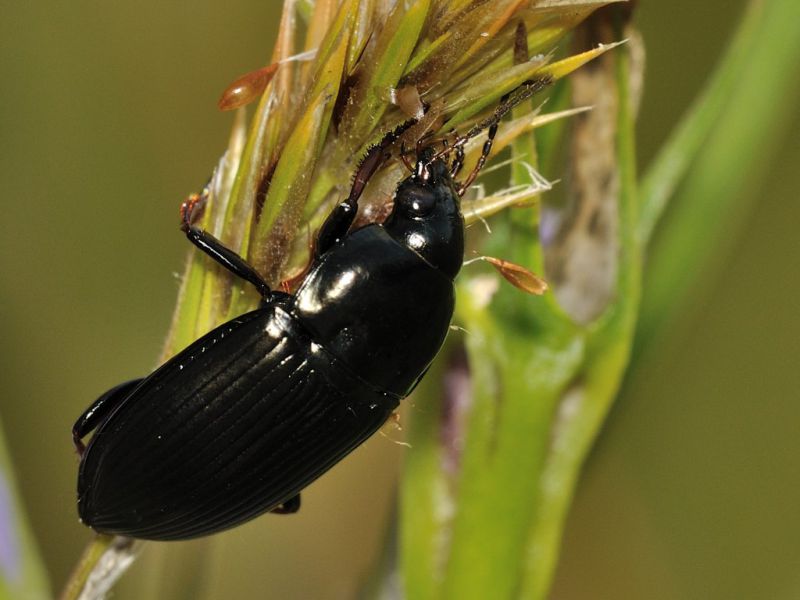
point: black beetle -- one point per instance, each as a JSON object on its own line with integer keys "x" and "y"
{"x": 238, "y": 423}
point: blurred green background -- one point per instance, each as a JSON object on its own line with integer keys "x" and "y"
{"x": 108, "y": 118}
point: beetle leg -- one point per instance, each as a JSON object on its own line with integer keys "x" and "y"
{"x": 99, "y": 410}
{"x": 458, "y": 161}
{"x": 292, "y": 505}
{"x": 519, "y": 94}
{"x": 338, "y": 222}
{"x": 215, "y": 248}
{"x": 404, "y": 158}
{"x": 487, "y": 148}
{"x": 416, "y": 383}
{"x": 507, "y": 102}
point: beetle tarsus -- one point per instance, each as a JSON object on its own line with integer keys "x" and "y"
{"x": 214, "y": 247}
{"x": 80, "y": 447}
{"x": 291, "y": 506}
{"x": 190, "y": 207}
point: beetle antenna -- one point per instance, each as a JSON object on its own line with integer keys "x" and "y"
{"x": 521, "y": 93}
{"x": 491, "y": 123}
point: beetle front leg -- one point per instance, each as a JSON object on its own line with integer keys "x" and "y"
{"x": 336, "y": 226}
{"x": 98, "y": 411}
{"x": 291, "y": 506}
{"x": 338, "y": 222}
{"x": 215, "y": 248}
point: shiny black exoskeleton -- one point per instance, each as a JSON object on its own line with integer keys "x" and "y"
{"x": 238, "y": 423}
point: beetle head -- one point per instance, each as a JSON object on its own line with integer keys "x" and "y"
{"x": 427, "y": 215}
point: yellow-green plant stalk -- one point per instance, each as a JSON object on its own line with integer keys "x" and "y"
{"x": 516, "y": 398}
{"x": 493, "y": 466}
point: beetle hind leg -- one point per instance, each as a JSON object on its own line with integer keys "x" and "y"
{"x": 291, "y": 506}
{"x": 98, "y": 411}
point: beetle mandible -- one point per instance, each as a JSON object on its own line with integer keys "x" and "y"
{"x": 243, "y": 419}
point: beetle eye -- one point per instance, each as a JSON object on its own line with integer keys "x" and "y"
{"x": 418, "y": 203}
